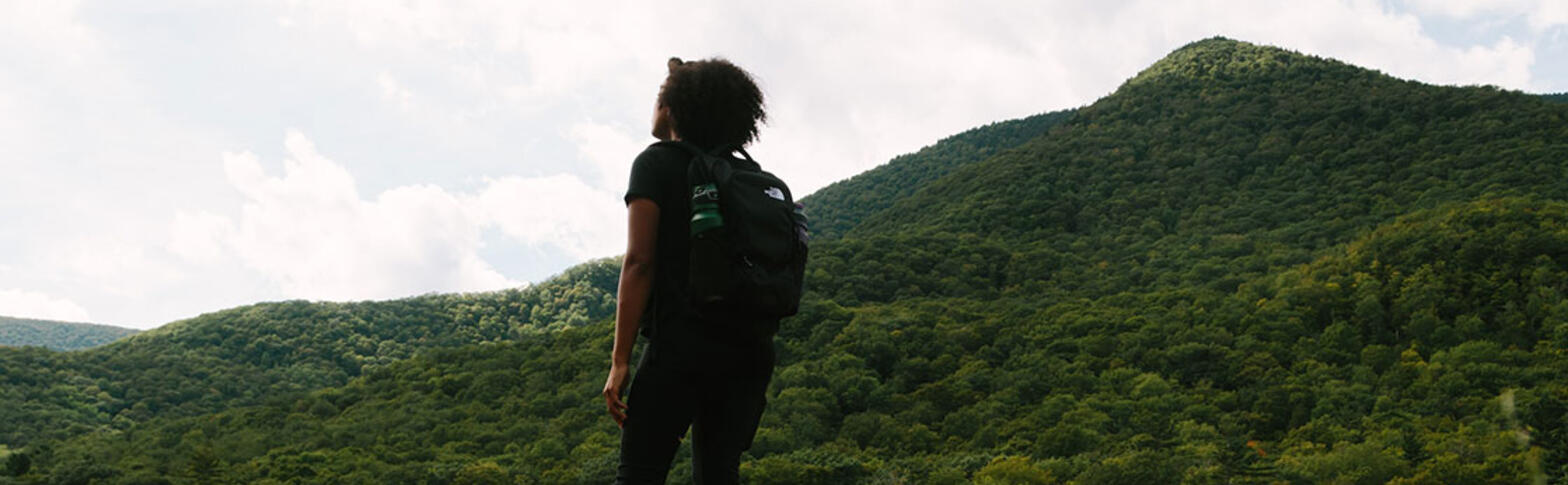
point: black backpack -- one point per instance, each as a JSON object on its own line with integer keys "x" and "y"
{"x": 748, "y": 242}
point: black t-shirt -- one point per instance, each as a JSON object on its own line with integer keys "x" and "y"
{"x": 681, "y": 337}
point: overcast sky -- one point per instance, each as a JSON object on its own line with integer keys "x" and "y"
{"x": 162, "y": 159}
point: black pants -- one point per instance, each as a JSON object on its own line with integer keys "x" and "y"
{"x": 722, "y": 408}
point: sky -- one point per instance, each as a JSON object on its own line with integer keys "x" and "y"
{"x": 163, "y": 159}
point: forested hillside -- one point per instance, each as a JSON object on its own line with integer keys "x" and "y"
{"x": 243, "y": 355}
{"x": 24, "y": 332}
{"x": 839, "y": 206}
{"x": 1419, "y": 351}
{"x": 1246, "y": 265}
{"x": 1227, "y": 160}
{"x": 1559, "y": 97}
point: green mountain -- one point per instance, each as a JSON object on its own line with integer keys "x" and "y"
{"x": 24, "y": 332}
{"x": 1242, "y": 158}
{"x": 1246, "y": 265}
{"x": 244, "y": 355}
{"x": 1558, "y": 98}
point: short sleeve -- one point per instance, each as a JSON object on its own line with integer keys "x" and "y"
{"x": 648, "y": 179}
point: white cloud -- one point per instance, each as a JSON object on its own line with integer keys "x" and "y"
{"x": 394, "y": 92}
{"x": 609, "y": 149}
{"x": 200, "y": 237}
{"x": 30, "y": 304}
{"x": 47, "y": 27}
{"x": 116, "y": 264}
{"x": 1506, "y": 63}
{"x": 310, "y": 232}
{"x": 558, "y": 210}
{"x": 1365, "y": 33}
{"x": 1538, "y": 14}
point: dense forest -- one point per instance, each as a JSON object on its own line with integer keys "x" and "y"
{"x": 50, "y": 334}
{"x": 1246, "y": 265}
{"x": 242, "y": 355}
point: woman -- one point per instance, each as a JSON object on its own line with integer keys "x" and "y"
{"x": 691, "y": 373}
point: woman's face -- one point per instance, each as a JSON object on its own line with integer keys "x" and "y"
{"x": 662, "y": 127}
{"x": 663, "y": 124}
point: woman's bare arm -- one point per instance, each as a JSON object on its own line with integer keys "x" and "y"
{"x": 637, "y": 270}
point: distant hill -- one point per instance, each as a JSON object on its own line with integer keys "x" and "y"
{"x": 1557, "y": 98}
{"x": 1246, "y": 265}
{"x": 244, "y": 355}
{"x": 21, "y": 332}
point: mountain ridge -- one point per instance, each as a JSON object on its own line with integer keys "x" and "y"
{"x": 1300, "y": 138}
{"x": 247, "y": 354}
{"x": 57, "y": 335}
{"x": 839, "y": 206}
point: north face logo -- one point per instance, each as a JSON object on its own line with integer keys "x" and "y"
{"x": 774, "y": 192}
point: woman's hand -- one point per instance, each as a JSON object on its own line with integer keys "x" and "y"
{"x": 613, "y": 385}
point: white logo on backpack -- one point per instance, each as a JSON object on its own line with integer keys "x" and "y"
{"x": 774, "y": 192}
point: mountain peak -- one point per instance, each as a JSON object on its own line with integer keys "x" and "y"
{"x": 1221, "y": 58}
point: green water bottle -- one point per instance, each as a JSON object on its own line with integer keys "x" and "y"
{"x": 705, "y": 209}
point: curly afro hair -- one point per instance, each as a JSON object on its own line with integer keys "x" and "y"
{"x": 712, "y": 102}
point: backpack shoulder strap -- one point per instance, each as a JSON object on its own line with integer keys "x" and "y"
{"x": 722, "y": 151}
{"x": 696, "y": 173}
{"x": 712, "y": 165}
{"x": 742, "y": 152}
{"x": 693, "y": 149}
